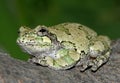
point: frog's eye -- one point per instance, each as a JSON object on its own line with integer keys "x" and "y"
{"x": 42, "y": 32}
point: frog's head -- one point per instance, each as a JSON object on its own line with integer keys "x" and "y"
{"x": 34, "y": 40}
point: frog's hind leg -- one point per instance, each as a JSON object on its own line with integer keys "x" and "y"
{"x": 99, "y": 61}
{"x": 99, "y": 52}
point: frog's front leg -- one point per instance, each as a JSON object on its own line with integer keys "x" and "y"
{"x": 38, "y": 60}
{"x": 99, "y": 52}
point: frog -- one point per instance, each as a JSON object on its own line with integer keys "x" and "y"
{"x": 64, "y": 46}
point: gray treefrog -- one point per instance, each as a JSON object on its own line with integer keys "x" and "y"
{"x": 64, "y": 46}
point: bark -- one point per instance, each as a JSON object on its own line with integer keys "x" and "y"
{"x": 17, "y": 71}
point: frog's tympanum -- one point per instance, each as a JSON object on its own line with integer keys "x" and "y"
{"x": 64, "y": 46}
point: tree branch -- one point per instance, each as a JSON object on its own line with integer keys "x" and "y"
{"x": 17, "y": 71}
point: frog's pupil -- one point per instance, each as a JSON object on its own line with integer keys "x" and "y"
{"x": 42, "y": 30}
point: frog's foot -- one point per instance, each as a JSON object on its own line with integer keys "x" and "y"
{"x": 84, "y": 66}
{"x": 93, "y": 62}
{"x": 32, "y": 60}
{"x": 99, "y": 61}
{"x": 40, "y": 61}
{"x": 99, "y": 52}
{"x": 83, "y": 63}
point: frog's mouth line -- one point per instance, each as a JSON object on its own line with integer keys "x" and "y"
{"x": 25, "y": 44}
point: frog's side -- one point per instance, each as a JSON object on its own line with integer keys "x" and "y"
{"x": 64, "y": 46}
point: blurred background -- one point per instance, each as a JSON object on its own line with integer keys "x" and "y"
{"x": 101, "y": 15}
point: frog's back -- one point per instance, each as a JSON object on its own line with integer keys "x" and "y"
{"x": 75, "y": 33}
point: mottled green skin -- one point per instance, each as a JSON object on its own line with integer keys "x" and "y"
{"x": 64, "y": 46}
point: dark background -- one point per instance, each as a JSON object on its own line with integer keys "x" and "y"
{"x": 101, "y": 15}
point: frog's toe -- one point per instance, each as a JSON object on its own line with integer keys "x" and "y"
{"x": 95, "y": 64}
{"x": 94, "y": 68}
{"x": 83, "y": 67}
{"x": 32, "y": 60}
